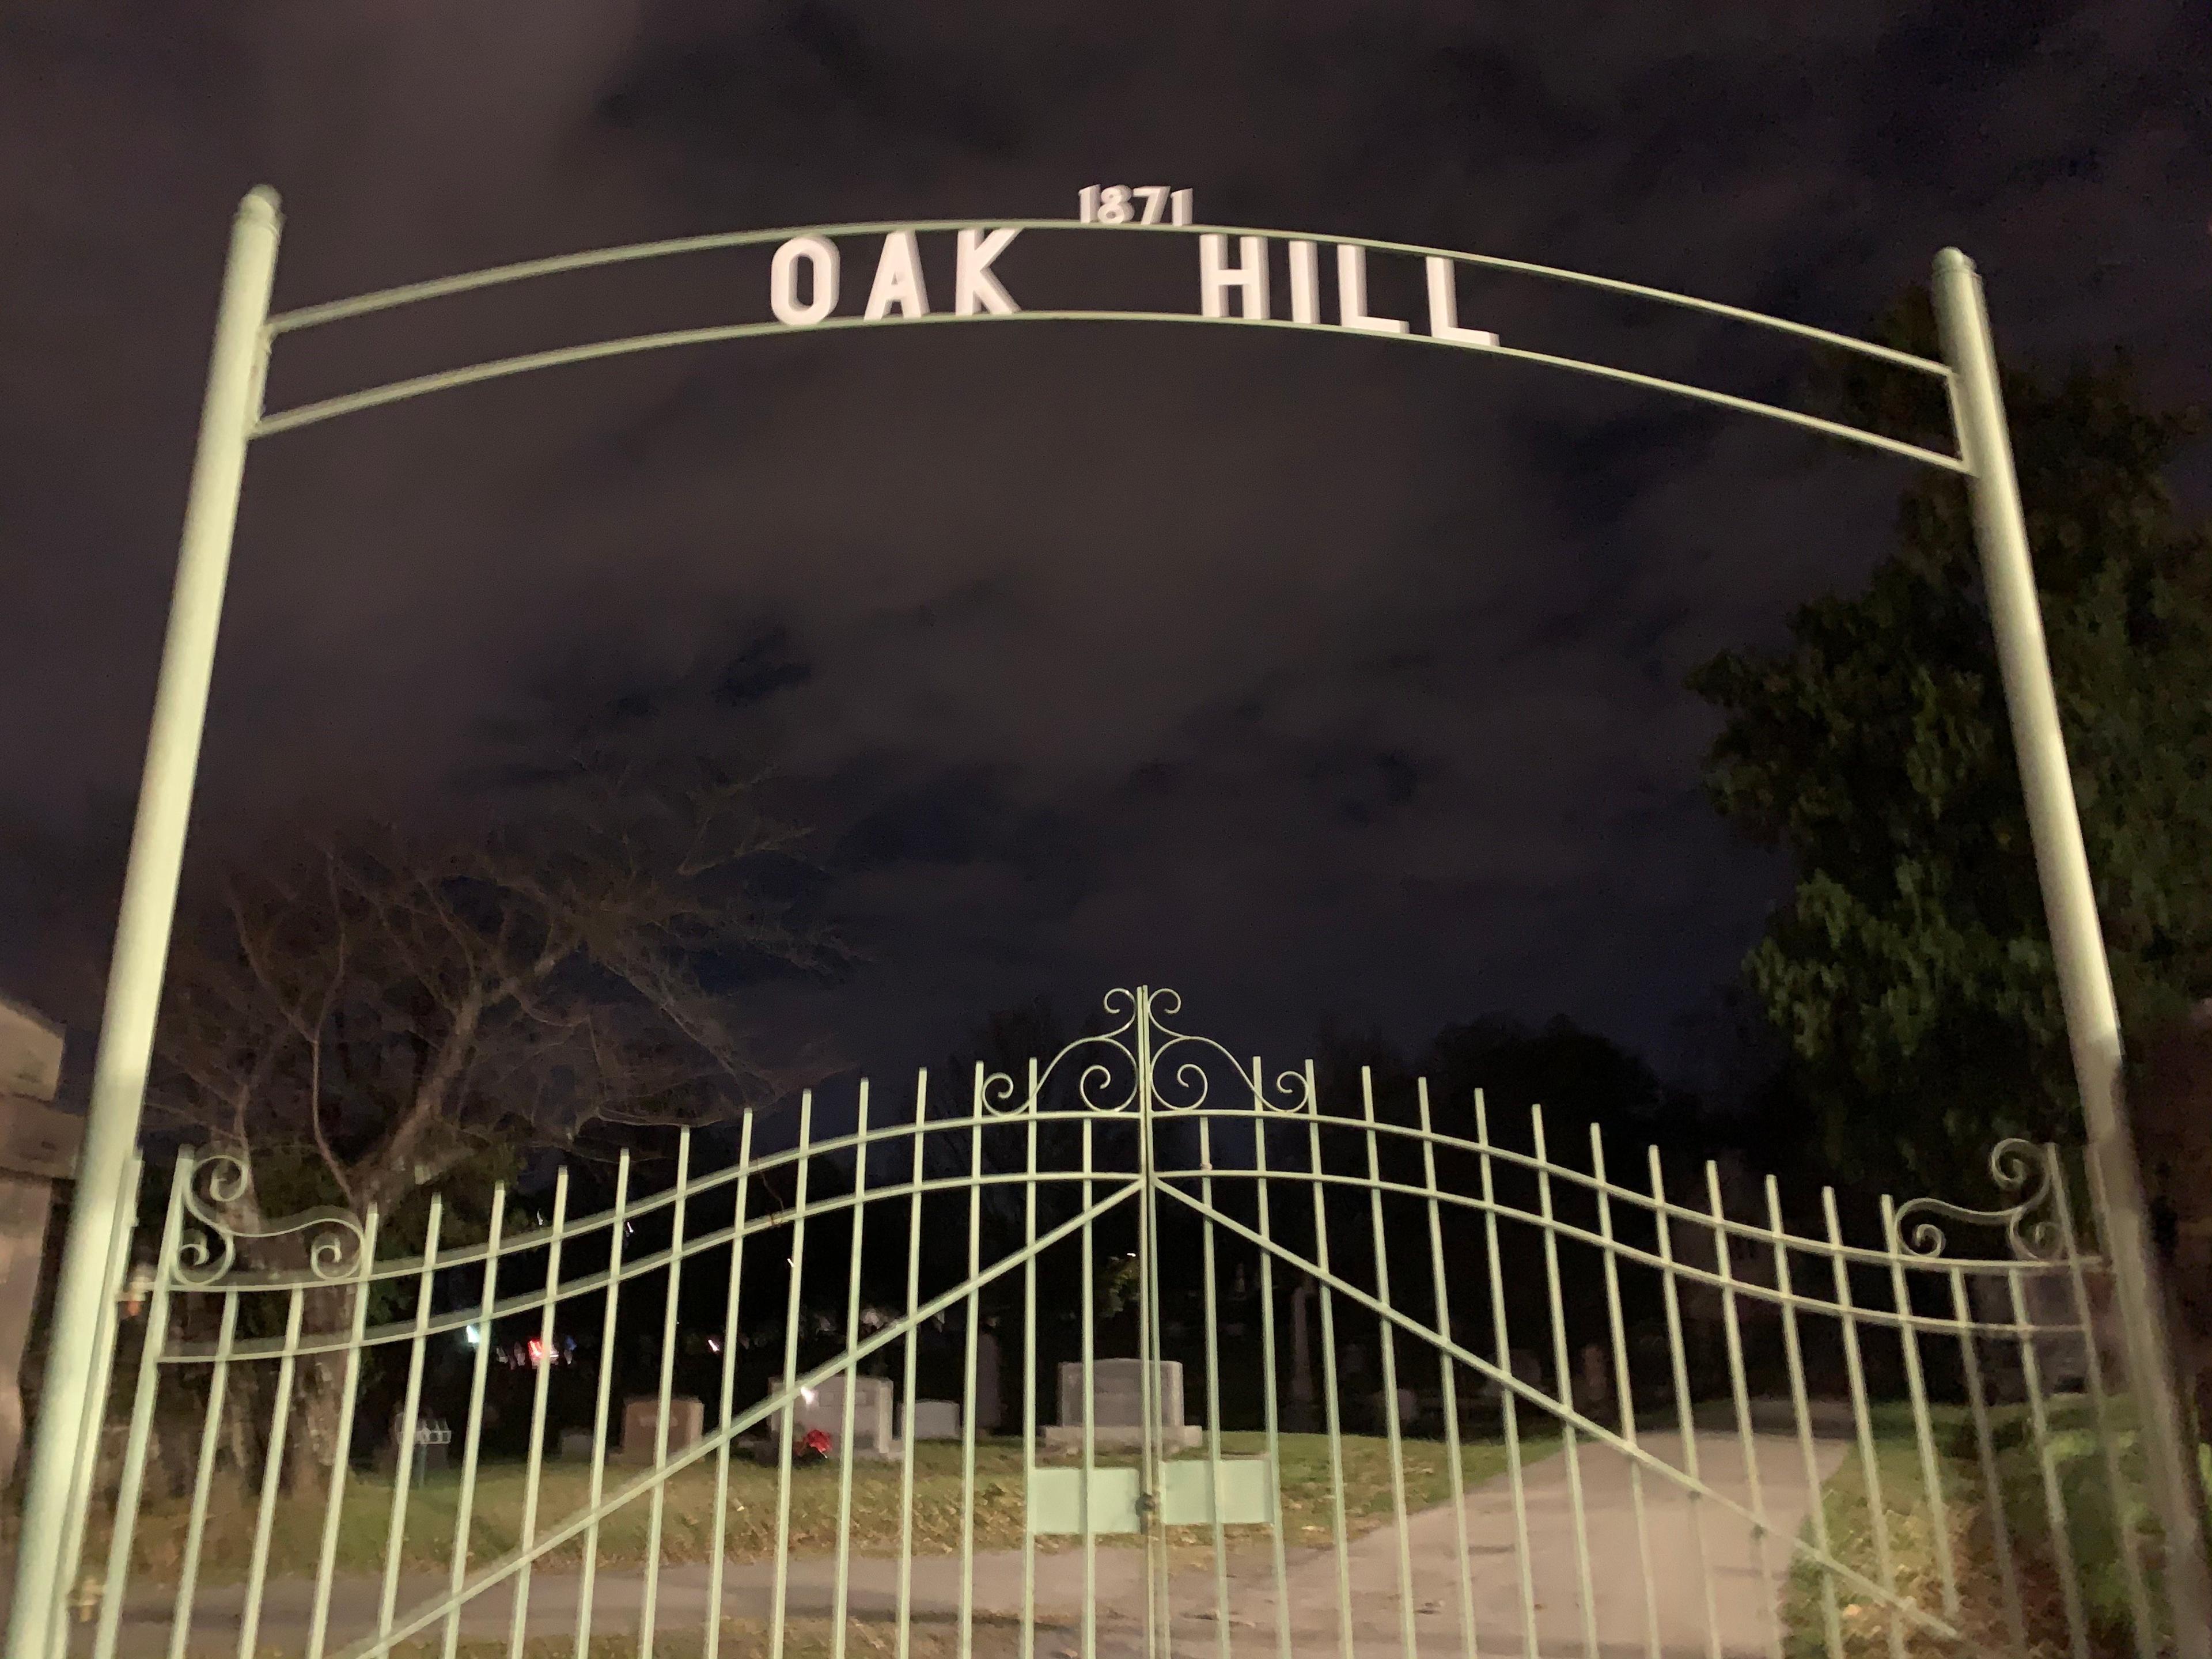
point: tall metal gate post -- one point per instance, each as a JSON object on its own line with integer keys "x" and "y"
{"x": 232, "y": 404}
{"x": 2069, "y": 903}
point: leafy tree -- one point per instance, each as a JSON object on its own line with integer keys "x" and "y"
{"x": 1911, "y": 969}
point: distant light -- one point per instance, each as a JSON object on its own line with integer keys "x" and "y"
{"x": 473, "y": 1335}
{"x": 807, "y": 1394}
{"x": 714, "y": 1345}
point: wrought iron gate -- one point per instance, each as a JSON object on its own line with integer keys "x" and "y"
{"x": 1143, "y": 1349}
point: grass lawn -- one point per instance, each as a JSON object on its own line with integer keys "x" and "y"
{"x": 1968, "y": 1514}
{"x": 687, "y": 1522}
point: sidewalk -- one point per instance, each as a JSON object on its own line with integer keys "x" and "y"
{"x": 1742, "y": 1590}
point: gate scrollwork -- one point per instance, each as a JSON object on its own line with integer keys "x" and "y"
{"x": 1140, "y": 1051}
{"x": 207, "y": 1253}
{"x": 2017, "y": 1166}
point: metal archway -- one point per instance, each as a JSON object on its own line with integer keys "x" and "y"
{"x": 232, "y": 417}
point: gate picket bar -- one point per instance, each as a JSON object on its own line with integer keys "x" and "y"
{"x": 1971, "y": 1526}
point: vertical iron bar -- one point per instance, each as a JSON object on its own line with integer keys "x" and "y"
{"x": 857, "y": 1235}
{"x": 2146, "y": 1630}
{"x": 237, "y": 366}
{"x": 587, "y": 1569}
{"x": 1759, "y": 1530}
{"x": 465, "y": 1513}
{"x": 1685, "y": 1412}
{"x": 1816, "y": 1506}
{"x": 1159, "y": 1638}
{"x": 1212, "y": 1388}
{"x": 1624, "y": 1386}
{"x": 717, "y": 1562}
{"x": 2077, "y": 943}
{"x": 2054, "y": 1496}
{"x": 1333, "y": 1413}
{"x": 272, "y": 1465}
{"x": 1090, "y": 1427}
{"x": 1563, "y": 1359}
{"x": 403, "y": 1445}
{"x": 342, "y": 1451}
{"x": 1393, "y": 1431}
{"x": 780, "y": 1607}
{"x": 649, "y": 1610}
{"x": 912, "y": 1299}
{"x": 974, "y": 1310}
{"x": 95, "y": 1405}
{"x": 1447, "y": 1371}
{"x": 535, "y": 1466}
{"x": 1507, "y": 1392}
{"x": 1030, "y": 1372}
{"x": 1268, "y": 1362}
{"x": 1855, "y": 1377}
{"x": 116, "y": 1583}
{"x": 1985, "y": 1444}
{"x": 1916, "y": 1385}
{"x": 188, "y": 1570}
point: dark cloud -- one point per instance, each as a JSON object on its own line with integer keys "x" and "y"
{"x": 1311, "y": 676}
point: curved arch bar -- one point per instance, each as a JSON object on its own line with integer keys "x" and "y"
{"x": 388, "y": 299}
{"x": 352, "y": 403}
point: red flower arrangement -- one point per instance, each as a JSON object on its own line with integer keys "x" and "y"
{"x": 814, "y": 1447}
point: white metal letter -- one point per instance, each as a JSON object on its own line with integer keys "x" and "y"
{"x": 783, "y": 285}
{"x": 1216, "y": 276}
{"x": 973, "y": 289}
{"x": 1305, "y": 282}
{"x": 898, "y": 279}
{"x": 1443, "y": 309}
{"x": 1351, "y": 293}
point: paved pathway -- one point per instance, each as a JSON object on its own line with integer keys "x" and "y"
{"x": 1717, "y": 1550}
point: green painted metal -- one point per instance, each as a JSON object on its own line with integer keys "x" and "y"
{"x": 235, "y": 369}
{"x": 1931, "y": 1481}
{"x": 2069, "y": 903}
{"x": 1624, "y": 1387}
{"x": 1568, "y": 1452}
{"x": 198, "y": 1269}
{"x": 465, "y": 1509}
{"x": 617, "y": 1231}
{"x": 717, "y": 1557}
{"x": 356, "y": 403}
{"x": 1197, "y": 1162}
{"x": 1685, "y": 1418}
{"x": 533, "y": 1472}
{"x": 658, "y": 1501}
{"x": 403, "y": 1461}
{"x": 1517, "y": 1479}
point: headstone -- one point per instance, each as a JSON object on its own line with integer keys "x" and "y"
{"x": 935, "y": 1420}
{"x": 1117, "y": 1405}
{"x": 1302, "y": 1381}
{"x": 38, "y": 1147}
{"x": 1527, "y": 1368}
{"x": 640, "y": 1426}
{"x": 1595, "y": 1382}
{"x": 825, "y": 1410}
{"x": 1409, "y": 1407}
{"x": 431, "y": 1448}
{"x": 986, "y": 1381}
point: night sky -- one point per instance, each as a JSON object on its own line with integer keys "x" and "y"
{"x": 1322, "y": 679}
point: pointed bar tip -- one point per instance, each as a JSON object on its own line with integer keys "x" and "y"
{"x": 263, "y": 203}
{"x": 1951, "y": 260}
